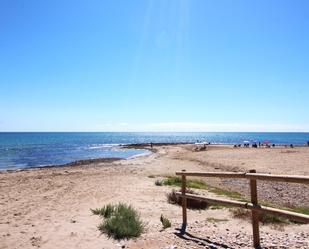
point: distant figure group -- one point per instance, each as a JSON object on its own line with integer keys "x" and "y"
{"x": 291, "y": 146}
{"x": 237, "y": 145}
{"x": 257, "y": 145}
{"x": 264, "y": 144}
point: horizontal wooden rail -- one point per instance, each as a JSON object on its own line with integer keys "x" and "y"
{"x": 255, "y": 208}
{"x": 212, "y": 174}
{"x": 278, "y": 178}
{"x": 287, "y": 214}
{"x": 256, "y": 176}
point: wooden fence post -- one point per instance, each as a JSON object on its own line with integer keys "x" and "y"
{"x": 184, "y": 202}
{"x": 255, "y": 214}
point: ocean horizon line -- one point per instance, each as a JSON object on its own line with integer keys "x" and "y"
{"x": 154, "y": 131}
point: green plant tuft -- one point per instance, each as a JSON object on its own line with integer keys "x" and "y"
{"x": 264, "y": 218}
{"x": 302, "y": 210}
{"x": 105, "y": 211}
{"x": 172, "y": 198}
{"x": 230, "y": 194}
{"x": 191, "y": 183}
{"x": 165, "y": 222}
{"x": 158, "y": 183}
{"x": 121, "y": 221}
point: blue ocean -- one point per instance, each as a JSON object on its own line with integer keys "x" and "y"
{"x": 32, "y": 149}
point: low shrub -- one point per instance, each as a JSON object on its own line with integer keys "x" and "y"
{"x": 121, "y": 221}
{"x": 191, "y": 203}
{"x": 191, "y": 183}
{"x": 228, "y": 193}
{"x": 264, "y": 218}
{"x": 302, "y": 210}
{"x": 240, "y": 213}
{"x": 105, "y": 211}
{"x": 158, "y": 183}
{"x": 165, "y": 222}
{"x": 270, "y": 218}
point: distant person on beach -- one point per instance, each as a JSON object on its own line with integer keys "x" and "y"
{"x": 291, "y": 145}
{"x": 308, "y": 143}
{"x": 151, "y": 145}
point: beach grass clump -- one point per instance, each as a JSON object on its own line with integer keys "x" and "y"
{"x": 191, "y": 183}
{"x": 227, "y": 193}
{"x": 165, "y": 222}
{"x": 264, "y": 218}
{"x": 301, "y": 210}
{"x": 172, "y": 181}
{"x": 172, "y": 198}
{"x": 105, "y": 211}
{"x": 199, "y": 184}
{"x": 240, "y": 213}
{"x": 121, "y": 221}
{"x": 270, "y": 219}
{"x": 217, "y": 206}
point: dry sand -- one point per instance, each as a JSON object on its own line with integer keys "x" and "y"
{"x": 50, "y": 208}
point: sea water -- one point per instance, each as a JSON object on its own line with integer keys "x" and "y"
{"x": 33, "y": 149}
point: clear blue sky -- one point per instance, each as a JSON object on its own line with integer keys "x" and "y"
{"x": 149, "y": 65}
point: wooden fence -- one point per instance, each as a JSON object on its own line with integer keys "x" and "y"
{"x": 252, "y": 176}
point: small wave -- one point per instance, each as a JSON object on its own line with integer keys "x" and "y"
{"x": 145, "y": 153}
{"x": 101, "y": 146}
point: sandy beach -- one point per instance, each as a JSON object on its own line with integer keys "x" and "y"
{"x": 50, "y": 207}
